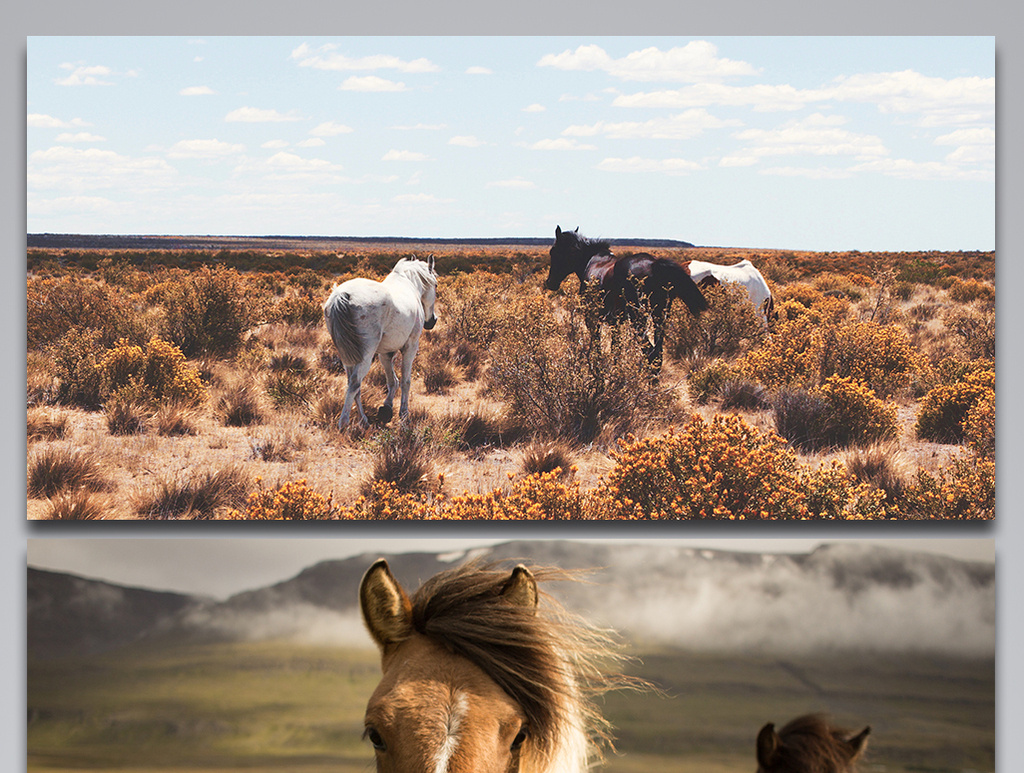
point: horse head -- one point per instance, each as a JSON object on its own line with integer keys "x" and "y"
{"x": 808, "y": 744}
{"x": 566, "y": 258}
{"x": 476, "y": 678}
{"x": 423, "y": 275}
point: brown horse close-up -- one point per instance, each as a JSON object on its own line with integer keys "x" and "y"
{"x": 479, "y": 676}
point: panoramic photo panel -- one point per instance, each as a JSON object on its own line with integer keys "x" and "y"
{"x": 576, "y": 278}
{"x": 547, "y": 656}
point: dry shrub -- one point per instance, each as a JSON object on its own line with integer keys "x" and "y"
{"x": 975, "y": 330}
{"x": 945, "y": 408}
{"x": 548, "y": 456}
{"x": 838, "y": 285}
{"x": 46, "y": 424}
{"x": 57, "y": 469}
{"x": 301, "y": 309}
{"x": 56, "y": 306}
{"x": 280, "y": 445}
{"x": 76, "y": 367}
{"x": 288, "y": 361}
{"x": 558, "y": 379}
{"x": 969, "y": 290}
{"x": 438, "y": 371}
{"x": 706, "y": 382}
{"x": 743, "y": 394}
{"x": 196, "y": 494}
{"x": 80, "y": 505}
{"x": 729, "y": 326}
{"x": 290, "y": 388}
{"x": 209, "y": 311}
{"x": 802, "y": 417}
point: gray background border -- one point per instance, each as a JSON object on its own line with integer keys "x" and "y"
{"x": 446, "y": 17}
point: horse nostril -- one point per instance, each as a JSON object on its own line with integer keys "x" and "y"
{"x": 429, "y": 324}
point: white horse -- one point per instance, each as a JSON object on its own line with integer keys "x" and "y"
{"x": 367, "y": 318}
{"x": 742, "y": 273}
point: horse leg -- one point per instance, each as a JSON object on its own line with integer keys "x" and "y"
{"x": 386, "y": 411}
{"x": 408, "y": 353}
{"x": 658, "y": 313}
{"x": 356, "y": 373}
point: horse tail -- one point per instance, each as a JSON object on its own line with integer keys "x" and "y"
{"x": 339, "y": 314}
{"x": 682, "y": 286}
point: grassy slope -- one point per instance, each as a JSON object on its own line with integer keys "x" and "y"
{"x": 274, "y": 706}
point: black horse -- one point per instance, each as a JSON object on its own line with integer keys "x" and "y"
{"x": 635, "y": 287}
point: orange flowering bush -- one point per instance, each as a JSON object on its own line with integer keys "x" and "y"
{"x": 964, "y": 490}
{"x": 292, "y": 501}
{"x": 154, "y": 374}
{"x": 980, "y": 426}
{"x": 722, "y": 469}
{"x": 816, "y": 344}
{"x": 857, "y": 415}
{"x": 945, "y": 409}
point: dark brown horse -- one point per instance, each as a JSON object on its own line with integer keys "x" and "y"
{"x": 632, "y": 288}
{"x": 809, "y": 744}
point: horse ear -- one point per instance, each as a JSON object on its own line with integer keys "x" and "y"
{"x": 521, "y": 588}
{"x": 430, "y": 263}
{"x": 558, "y": 231}
{"x": 577, "y": 230}
{"x": 386, "y": 609}
{"x": 858, "y": 743}
{"x": 767, "y": 745}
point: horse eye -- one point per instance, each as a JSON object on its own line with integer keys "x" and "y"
{"x": 375, "y": 738}
{"x": 519, "y": 739}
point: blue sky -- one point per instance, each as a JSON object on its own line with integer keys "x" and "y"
{"x": 814, "y": 143}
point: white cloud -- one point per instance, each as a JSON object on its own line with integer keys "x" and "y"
{"x": 258, "y": 115}
{"x": 816, "y": 135}
{"x": 908, "y": 169}
{"x": 817, "y": 173}
{"x": 561, "y": 144}
{"x": 433, "y": 127}
{"x": 467, "y": 141}
{"x": 80, "y": 137}
{"x": 82, "y": 75}
{"x": 326, "y": 57}
{"x": 695, "y": 62}
{"x": 312, "y": 142}
{"x": 204, "y": 149}
{"x": 534, "y": 108}
{"x": 515, "y": 182}
{"x": 73, "y": 169}
{"x": 403, "y": 155}
{"x": 938, "y": 101}
{"x": 637, "y": 164}
{"x": 419, "y": 198}
{"x": 677, "y": 127}
{"x": 761, "y": 97}
{"x": 980, "y": 136}
{"x": 196, "y": 91}
{"x": 371, "y": 83}
{"x": 42, "y": 121}
{"x": 479, "y": 71}
{"x": 274, "y": 144}
{"x": 330, "y": 129}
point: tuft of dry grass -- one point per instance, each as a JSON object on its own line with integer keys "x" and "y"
{"x": 46, "y": 424}
{"x": 57, "y": 469}
{"x": 125, "y": 417}
{"x": 548, "y": 456}
{"x": 175, "y": 420}
{"x": 77, "y": 505}
{"x": 197, "y": 495}
{"x": 241, "y": 405}
{"x": 882, "y": 465}
{"x": 401, "y": 458}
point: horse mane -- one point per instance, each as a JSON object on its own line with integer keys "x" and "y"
{"x": 816, "y": 743}
{"x": 588, "y": 245}
{"x": 550, "y": 661}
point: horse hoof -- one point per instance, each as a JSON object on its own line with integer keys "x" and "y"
{"x": 384, "y": 414}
